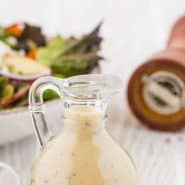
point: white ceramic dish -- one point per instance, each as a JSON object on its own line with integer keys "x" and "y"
{"x": 16, "y": 124}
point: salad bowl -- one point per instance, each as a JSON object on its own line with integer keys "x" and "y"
{"x": 27, "y": 54}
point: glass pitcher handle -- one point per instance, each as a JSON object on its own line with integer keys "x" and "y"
{"x": 36, "y": 106}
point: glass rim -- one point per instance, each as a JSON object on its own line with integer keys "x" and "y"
{"x": 91, "y": 86}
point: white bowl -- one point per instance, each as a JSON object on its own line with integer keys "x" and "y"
{"x": 16, "y": 123}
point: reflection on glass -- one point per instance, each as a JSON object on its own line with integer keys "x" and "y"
{"x": 7, "y": 175}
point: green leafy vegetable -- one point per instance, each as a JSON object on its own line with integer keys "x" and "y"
{"x": 50, "y": 95}
{"x": 3, "y": 33}
{"x": 58, "y": 75}
{"x": 74, "y": 64}
{"x": 47, "y": 54}
{"x": 3, "y": 83}
{"x": 72, "y": 56}
{"x": 6, "y": 89}
{"x": 87, "y": 44}
{"x": 7, "y": 92}
{"x": 6, "y": 38}
{"x": 64, "y": 56}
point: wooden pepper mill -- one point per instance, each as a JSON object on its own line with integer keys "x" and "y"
{"x": 156, "y": 90}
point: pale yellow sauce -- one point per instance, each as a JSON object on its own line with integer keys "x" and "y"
{"x": 84, "y": 154}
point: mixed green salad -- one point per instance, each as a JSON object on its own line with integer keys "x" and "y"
{"x": 27, "y": 54}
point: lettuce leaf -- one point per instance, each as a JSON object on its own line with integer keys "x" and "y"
{"x": 49, "y": 94}
{"x": 3, "y": 83}
{"x": 47, "y": 54}
{"x": 75, "y": 64}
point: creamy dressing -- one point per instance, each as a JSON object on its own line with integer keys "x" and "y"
{"x": 83, "y": 154}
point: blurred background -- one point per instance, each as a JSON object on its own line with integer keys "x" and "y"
{"x": 132, "y": 31}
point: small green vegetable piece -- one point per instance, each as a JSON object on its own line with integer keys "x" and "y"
{"x": 59, "y": 75}
{"x": 3, "y": 82}
{"x": 50, "y": 95}
{"x": 3, "y": 33}
{"x": 6, "y": 38}
{"x": 47, "y": 54}
{"x": 7, "y": 92}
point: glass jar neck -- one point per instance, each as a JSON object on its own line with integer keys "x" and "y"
{"x": 84, "y": 116}
{"x": 98, "y": 106}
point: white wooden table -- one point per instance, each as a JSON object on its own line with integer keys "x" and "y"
{"x": 159, "y": 157}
